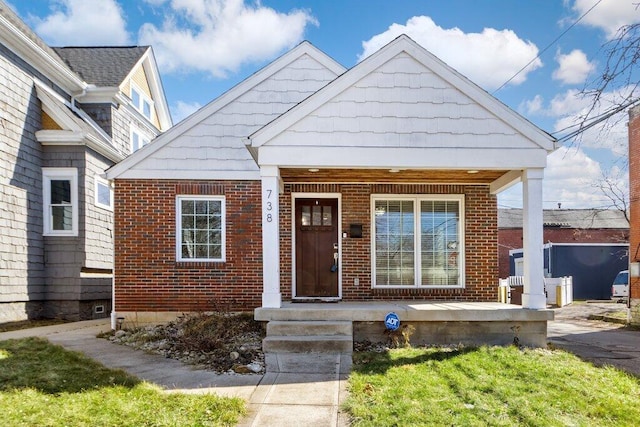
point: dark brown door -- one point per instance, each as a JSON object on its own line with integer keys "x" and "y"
{"x": 317, "y": 248}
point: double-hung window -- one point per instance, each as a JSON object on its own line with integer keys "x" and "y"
{"x": 418, "y": 241}
{"x": 141, "y": 101}
{"x": 200, "y": 228}
{"x": 60, "y": 201}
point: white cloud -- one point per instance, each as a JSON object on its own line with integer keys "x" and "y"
{"x": 488, "y": 58}
{"x": 569, "y": 179}
{"x": 83, "y": 23}
{"x": 611, "y": 134}
{"x": 567, "y": 110}
{"x": 533, "y": 106}
{"x": 573, "y": 67}
{"x": 609, "y": 15}
{"x": 218, "y": 36}
{"x": 183, "y": 109}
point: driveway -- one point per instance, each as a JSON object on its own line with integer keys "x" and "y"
{"x": 601, "y": 343}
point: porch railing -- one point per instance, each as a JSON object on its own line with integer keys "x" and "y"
{"x": 559, "y": 290}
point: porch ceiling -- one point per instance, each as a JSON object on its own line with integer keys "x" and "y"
{"x": 297, "y": 175}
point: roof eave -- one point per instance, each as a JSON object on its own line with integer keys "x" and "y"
{"x": 42, "y": 60}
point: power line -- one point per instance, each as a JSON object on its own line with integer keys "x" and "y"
{"x": 546, "y": 48}
{"x": 584, "y": 127}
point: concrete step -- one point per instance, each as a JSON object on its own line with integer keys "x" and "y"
{"x": 310, "y": 327}
{"x": 309, "y": 363}
{"x": 308, "y": 344}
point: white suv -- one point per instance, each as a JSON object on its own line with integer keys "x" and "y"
{"x": 620, "y": 287}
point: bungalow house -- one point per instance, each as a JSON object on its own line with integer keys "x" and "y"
{"x": 66, "y": 115}
{"x": 314, "y": 184}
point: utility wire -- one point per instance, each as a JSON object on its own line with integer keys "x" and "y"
{"x": 582, "y": 128}
{"x": 546, "y": 48}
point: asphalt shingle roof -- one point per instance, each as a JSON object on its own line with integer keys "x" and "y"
{"x": 102, "y": 66}
{"x": 567, "y": 218}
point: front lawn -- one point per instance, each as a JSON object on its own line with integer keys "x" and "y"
{"x": 488, "y": 386}
{"x": 42, "y": 384}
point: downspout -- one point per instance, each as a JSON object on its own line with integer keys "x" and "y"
{"x": 114, "y": 315}
{"x": 73, "y": 100}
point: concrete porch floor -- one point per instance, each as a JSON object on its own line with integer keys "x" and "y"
{"x": 364, "y": 311}
{"x": 434, "y": 322}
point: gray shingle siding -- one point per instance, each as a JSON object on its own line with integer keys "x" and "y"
{"x": 56, "y": 276}
{"x": 98, "y": 247}
{"x": 22, "y": 275}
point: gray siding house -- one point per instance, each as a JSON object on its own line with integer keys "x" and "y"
{"x": 66, "y": 115}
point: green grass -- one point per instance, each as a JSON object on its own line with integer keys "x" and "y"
{"x": 42, "y": 384}
{"x": 488, "y": 386}
{"x": 26, "y": 324}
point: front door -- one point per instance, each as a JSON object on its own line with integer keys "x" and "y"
{"x": 316, "y": 228}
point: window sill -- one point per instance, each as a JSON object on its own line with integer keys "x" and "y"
{"x": 200, "y": 264}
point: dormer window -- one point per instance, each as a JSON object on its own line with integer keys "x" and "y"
{"x": 141, "y": 101}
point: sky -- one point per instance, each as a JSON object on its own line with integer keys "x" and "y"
{"x": 535, "y": 56}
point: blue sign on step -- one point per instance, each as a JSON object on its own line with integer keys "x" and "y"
{"x": 392, "y": 321}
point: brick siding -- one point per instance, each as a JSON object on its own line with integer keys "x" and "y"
{"x": 149, "y": 279}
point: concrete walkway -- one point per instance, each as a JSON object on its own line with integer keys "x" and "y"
{"x": 273, "y": 399}
{"x": 598, "y": 342}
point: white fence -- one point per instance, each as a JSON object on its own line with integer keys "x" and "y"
{"x": 559, "y": 290}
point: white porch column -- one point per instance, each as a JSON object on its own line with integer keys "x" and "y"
{"x": 532, "y": 232}
{"x": 270, "y": 177}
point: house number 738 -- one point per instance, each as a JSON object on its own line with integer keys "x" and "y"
{"x": 269, "y": 206}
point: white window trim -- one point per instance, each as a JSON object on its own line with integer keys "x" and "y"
{"x": 223, "y": 226}
{"x": 99, "y": 181}
{"x": 141, "y": 136}
{"x": 56, "y": 174}
{"x": 417, "y": 198}
{"x": 143, "y": 97}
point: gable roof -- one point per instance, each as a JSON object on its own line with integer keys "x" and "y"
{"x": 102, "y": 66}
{"x": 227, "y": 98}
{"x": 107, "y": 68}
{"x": 568, "y": 218}
{"x": 403, "y": 50}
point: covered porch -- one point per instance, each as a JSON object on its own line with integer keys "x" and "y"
{"x": 404, "y": 158}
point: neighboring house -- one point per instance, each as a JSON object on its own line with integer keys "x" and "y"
{"x": 309, "y": 182}
{"x": 66, "y": 115}
{"x": 573, "y": 226}
{"x": 634, "y": 213}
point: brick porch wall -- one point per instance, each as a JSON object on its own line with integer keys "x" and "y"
{"x": 634, "y": 208}
{"x": 480, "y": 231}
{"x": 148, "y": 277}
